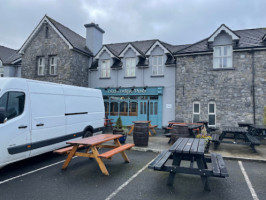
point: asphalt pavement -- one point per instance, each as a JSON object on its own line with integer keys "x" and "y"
{"x": 41, "y": 178}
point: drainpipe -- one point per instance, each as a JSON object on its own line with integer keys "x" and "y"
{"x": 253, "y": 88}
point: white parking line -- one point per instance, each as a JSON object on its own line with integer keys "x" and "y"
{"x": 10, "y": 179}
{"x": 127, "y": 182}
{"x": 252, "y": 191}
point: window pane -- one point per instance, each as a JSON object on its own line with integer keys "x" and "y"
{"x": 114, "y": 109}
{"x": 225, "y": 50}
{"x": 211, "y": 119}
{"x": 216, "y": 63}
{"x": 196, "y": 108}
{"x": 160, "y": 69}
{"x": 211, "y": 108}
{"x": 151, "y": 108}
{"x": 141, "y": 107}
{"x": 160, "y": 60}
{"x": 123, "y": 108}
{"x": 225, "y": 62}
{"x": 3, "y": 104}
{"x": 217, "y": 51}
{"x": 133, "y": 109}
{"x": 155, "y": 108}
{"x": 195, "y": 118}
{"x": 154, "y": 60}
{"x": 15, "y": 104}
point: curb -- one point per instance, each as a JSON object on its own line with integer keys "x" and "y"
{"x": 144, "y": 149}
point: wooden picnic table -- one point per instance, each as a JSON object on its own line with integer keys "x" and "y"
{"x": 189, "y": 150}
{"x": 91, "y": 146}
{"x": 151, "y": 127}
{"x": 240, "y": 136}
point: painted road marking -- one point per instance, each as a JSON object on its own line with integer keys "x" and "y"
{"x": 31, "y": 172}
{"x": 253, "y": 193}
{"x": 127, "y": 182}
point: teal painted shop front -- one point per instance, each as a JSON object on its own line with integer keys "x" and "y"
{"x": 134, "y": 104}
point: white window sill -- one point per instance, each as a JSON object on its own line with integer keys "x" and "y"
{"x": 105, "y": 78}
{"x": 156, "y": 76}
{"x": 222, "y": 69}
{"x": 129, "y": 76}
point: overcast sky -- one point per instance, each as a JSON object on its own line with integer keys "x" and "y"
{"x": 172, "y": 21}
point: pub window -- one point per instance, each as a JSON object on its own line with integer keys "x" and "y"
{"x": 123, "y": 108}
{"x": 114, "y": 109}
{"x": 196, "y": 112}
{"x": 151, "y": 108}
{"x": 212, "y": 113}
{"x": 133, "y": 109}
{"x": 141, "y": 108}
{"x": 155, "y": 108}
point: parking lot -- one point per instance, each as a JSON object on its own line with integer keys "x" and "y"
{"x": 41, "y": 178}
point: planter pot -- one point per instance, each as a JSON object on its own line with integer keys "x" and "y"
{"x": 120, "y": 131}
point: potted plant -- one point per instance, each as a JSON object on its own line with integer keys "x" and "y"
{"x": 119, "y": 129}
{"x": 204, "y": 135}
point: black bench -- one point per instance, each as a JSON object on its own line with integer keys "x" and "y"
{"x": 216, "y": 140}
{"x": 253, "y": 141}
{"x": 218, "y": 166}
{"x": 160, "y": 160}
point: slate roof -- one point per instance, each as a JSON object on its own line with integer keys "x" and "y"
{"x": 77, "y": 41}
{"x": 8, "y": 55}
{"x": 142, "y": 46}
{"x": 249, "y": 38}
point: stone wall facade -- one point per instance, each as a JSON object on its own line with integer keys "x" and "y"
{"x": 230, "y": 89}
{"x": 72, "y": 67}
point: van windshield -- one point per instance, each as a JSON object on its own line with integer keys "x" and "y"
{"x": 11, "y": 105}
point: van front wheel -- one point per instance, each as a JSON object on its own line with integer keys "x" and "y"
{"x": 87, "y": 133}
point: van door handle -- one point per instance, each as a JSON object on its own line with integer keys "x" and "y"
{"x": 22, "y": 127}
{"x": 39, "y": 124}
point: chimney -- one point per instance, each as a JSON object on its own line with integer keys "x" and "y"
{"x": 94, "y": 37}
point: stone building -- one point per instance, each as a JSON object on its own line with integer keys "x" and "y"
{"x": 55, "y": 53}
{"x": 10, "y": 62}
{"x": 222, "y": 79}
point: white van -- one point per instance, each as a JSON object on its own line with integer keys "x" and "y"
{"x": 37, "y": 117}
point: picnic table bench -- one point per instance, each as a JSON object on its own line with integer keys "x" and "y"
{"x": 91, "y": 146}
{"x": 192, "y": 150}
{"x": 240, "y": 136}
{"x": 257, "y": 130}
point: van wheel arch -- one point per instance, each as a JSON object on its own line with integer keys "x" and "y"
{"x": 88, "y": 131}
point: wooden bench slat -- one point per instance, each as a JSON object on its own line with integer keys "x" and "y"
{"x": 162, "y": 161}
{"x": 180, "y": 148}
{"x": 222, "y": 166}
{"x": 116, "y": 150}
{"x": 66, "y": 149}
{"x": 201, "y": 147}
{"x": 215, "y": 167}
{"x": 175, "y": 145}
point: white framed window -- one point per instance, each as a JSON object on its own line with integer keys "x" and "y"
{"x": 196, "y": 112}
{"x": 1, "y": 72}
{"x": 53, "y": 65}
{"x": 157, "y": 65}
{"x": 105, "y": 68}
{"x": 130, "y": 67}
{"x": 212, "y": 113}
{"x": 41, "y": 66}
{"x": 222, "y": 56}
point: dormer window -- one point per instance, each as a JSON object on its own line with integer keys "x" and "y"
{"x": 105, "y": 69}
{"x": 222, "y": 56}
{"x": 130, "y": 67}
{"x": 157, "y": 65}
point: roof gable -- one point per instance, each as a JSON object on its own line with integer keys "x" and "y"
{"x": 104, "y": 48}
{"x": 227, "y": 30}
{"x": 72, "y": 39}
{"x": 157, "y": 43}
{"x": 130, "y": 46}
{"x": 8, "y": 55}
